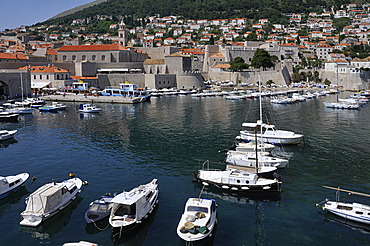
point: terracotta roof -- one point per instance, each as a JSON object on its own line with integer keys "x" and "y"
{"x": 218, "y": 55}
{"x": 177, "y": 54}
{"x": 114, "y": 46}
{"x": 153, "y": 61}
{"x": 44, "y": 69}
{"x": 221, "y": 66}
{"x": 81, "y": 77}
{"x": 13, "y": 56}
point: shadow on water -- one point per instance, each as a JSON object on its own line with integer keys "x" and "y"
{"x": 99, "y": 226}
{"x": 6, "y": 143}
{"x": 55, "y": 224}
{"x": 16, "y": 197}
{"x": 136, "y": 236}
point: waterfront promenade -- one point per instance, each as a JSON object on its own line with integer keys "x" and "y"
{"x": 92, "y": 99}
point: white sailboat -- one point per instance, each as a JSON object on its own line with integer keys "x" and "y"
{"x": 350, "y": 211}
{"x": 269, "y": 133}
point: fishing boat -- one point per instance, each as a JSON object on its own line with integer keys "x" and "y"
{"x": 48, "y": 200}
{"x": 131, "y": 208}
{"x": 236, "y": 179}
{"x": 350, "y": 211}
{"x": 198, "y": 220}
{"x": 19, "y": 110}
{"x": 99, "y": 209}
{"x": 11, "y": 184}
{"x": 251, "y": 147}
{"x": 88, "y": 108}
{"x": 5, "y": 134}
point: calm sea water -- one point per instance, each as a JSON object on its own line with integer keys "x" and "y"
{"x": 128, "y": 145}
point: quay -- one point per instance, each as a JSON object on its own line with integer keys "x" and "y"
{"x": 93, "y": 99}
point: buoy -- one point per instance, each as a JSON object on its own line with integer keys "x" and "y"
{"x": 85, "y": 183}
{"x": 71, "y": 175}
{"x": 34, "y": 178}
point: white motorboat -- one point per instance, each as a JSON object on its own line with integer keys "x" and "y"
{"x": 341, "y": 105}
{"x": 11, "y": 184}
{"x": 80, "y": 243}
{"x": 88, "y": 108}
{"x": 350, "y": 211}
{"x": 250, "y": 159}
{"x": 198, "y": 220}
{"x": 8, "y": 117}
{"x": 269, "y": 134}
{"x": 59, "y": 106}
{"x": 131, "y": 208}
{"x": 5, "y": 134}
{"x": 236, "y": 180}
{"x": 48, "y": 200}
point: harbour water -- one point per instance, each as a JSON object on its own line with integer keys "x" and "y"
{"x": 128, "y": 145}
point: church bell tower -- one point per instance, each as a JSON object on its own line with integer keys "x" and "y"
{"x": 122, "y": 34}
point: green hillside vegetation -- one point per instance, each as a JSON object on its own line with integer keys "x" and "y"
{"x": 200, "y": 9}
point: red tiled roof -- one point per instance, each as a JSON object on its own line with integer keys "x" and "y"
{"x": 44, "y": 69}
{"x": 106, "y": 47}
{"x": 13, "y": 56}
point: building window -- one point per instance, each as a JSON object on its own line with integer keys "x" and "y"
{"x": 40, "y": 76}
{"x": 84, "y": 58}
{"x": 64, "y": 58}
{"x": 57, "y": 76}
{"x": 103, "y": 57}
{"x": 93, "y": 57}
{"x": 73, "y": 58}
{"x": 47, "y": 76}
{"x": 34, "y": 76}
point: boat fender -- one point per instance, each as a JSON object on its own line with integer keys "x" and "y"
{"x": 85, "y": 183}
{"x": 71, "y": 175}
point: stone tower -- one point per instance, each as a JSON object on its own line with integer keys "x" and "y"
{"x": 122, "y": 34}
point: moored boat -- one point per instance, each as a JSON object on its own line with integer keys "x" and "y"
{"x": 131, "y": 208}
{"x": 5, "y": 134}
{"x": 10, "y": 184}
{"x": 99, "y": 209}
{"x": 48, "y": 200}
{"x": 198, "y": 220}
{"x": 88, "y": 108}
{"x": 48, "y": 109}
{"x": 350, "y": 211}
{"x": 8, "y": 117}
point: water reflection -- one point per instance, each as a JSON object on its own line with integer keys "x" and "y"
{"x": 7, "y": 202}
{"x": 55, "y": 224}
{"x": 6, "y": 143}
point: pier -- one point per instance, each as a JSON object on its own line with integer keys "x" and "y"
{"x": 93, "y": 99}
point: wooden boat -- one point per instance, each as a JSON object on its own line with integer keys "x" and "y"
{"x": 11, "y": 184}
{"x": 350, "y": 211}
{"x": 198, "y": 220}
{"x": 5, "y": 134}
{"x": 48, "y": 200}
{"x": 99, "y": 209}
{"x": 131, "y": 208}
{"x": 88, "y": 108}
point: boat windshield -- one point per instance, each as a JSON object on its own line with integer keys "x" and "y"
{"x": 123, "y": 209}
{"x": 197, "y": 209}
{"x": 3, "y": 182}
{"x": 99, "y": 208}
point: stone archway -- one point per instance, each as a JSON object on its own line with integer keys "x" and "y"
{"x": 4, "y": 88}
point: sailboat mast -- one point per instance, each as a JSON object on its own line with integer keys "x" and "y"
{"x": 256, "y": 147}
{"x": 21, "y": 84}
{"x": 260, "y": 96}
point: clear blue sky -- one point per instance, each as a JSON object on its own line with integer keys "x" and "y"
{"x": 15, "y": 13}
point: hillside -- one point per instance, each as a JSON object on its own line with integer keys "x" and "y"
{"x": 77, "y": 9}
{"x": 199, "y": 9}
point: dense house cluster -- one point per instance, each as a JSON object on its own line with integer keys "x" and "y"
{"x": 153, "y": 49}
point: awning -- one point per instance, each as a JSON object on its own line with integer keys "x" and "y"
{"x": 38, "y": 85}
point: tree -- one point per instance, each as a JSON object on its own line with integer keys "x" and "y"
{"x": 238, "y": 64}
{"x": 262, "y": 58}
